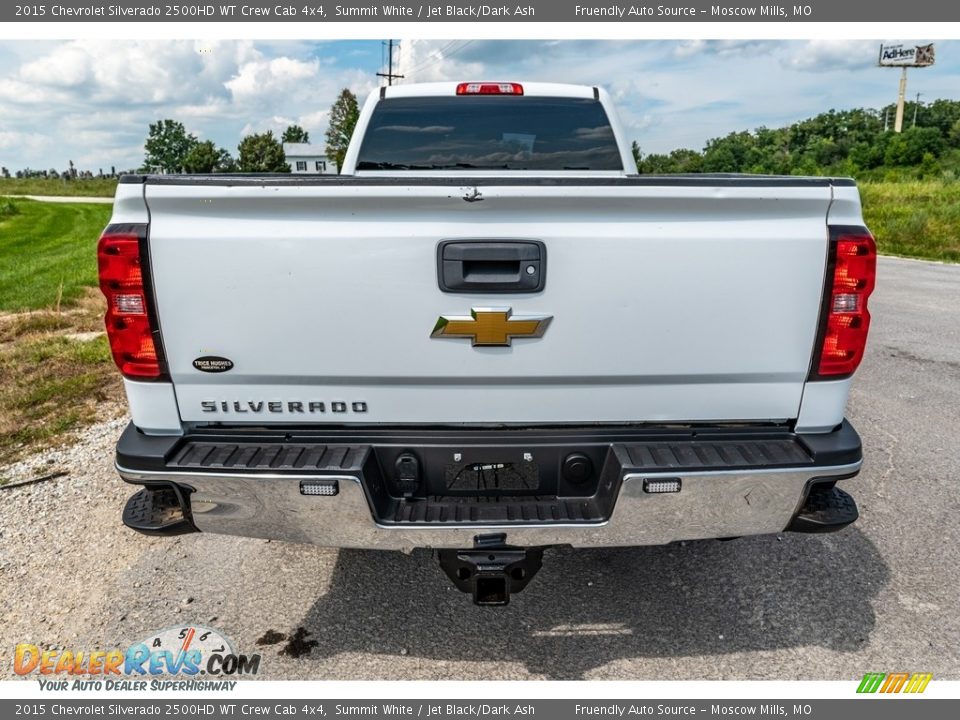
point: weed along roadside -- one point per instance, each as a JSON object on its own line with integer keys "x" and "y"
{"x": 918, "y": 218}
{"x": 54, "y": 359}
{"x": 92, "y": 187}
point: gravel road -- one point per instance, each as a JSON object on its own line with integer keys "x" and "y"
{"x": 879, "y": 596}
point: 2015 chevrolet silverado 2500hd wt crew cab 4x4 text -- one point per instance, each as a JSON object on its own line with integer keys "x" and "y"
{"x": 487, "y": 336}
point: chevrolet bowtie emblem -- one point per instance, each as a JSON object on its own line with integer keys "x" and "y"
{"x": 491, "y": 326}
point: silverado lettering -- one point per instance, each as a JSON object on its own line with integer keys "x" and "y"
{"x": 278, "y": 406}
{"x": 703, "y": 335}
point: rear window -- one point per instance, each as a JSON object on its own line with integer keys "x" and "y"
{"x": 489, "y": 133}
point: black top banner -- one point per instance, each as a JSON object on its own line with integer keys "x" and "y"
{"x": 463, "y": 11}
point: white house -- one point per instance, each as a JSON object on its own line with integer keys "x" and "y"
{"x": 307, "y": 159}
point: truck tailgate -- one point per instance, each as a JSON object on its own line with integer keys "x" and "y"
{"x": 669, "y": 303}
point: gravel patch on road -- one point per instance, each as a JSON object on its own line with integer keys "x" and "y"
{"x": 98, "y": 441}
{"x": 54, "y": 546}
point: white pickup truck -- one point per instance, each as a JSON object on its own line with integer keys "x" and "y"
{"x": 487, "y": 336}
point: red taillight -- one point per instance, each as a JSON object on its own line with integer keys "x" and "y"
{"x": 847, "y": 320}
{"x": 127, "y": 318}
{"x": 489, "y": 88}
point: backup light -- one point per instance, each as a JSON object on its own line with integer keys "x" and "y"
{"x": 489, "y": 88}
{"x": 129, "y": 304}
{"x": 670, "y": 485}
{"x": 846, "y": 303}
{"x": 327, "y": 488}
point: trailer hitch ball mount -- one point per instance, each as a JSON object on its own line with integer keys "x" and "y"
{"x": 492, "y": 570}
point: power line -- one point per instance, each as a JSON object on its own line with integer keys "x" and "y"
{"x": 461, "y": 48}
{"x": 431, "y": 62}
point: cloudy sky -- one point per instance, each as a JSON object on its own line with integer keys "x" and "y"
{"x": 91, "y": 101}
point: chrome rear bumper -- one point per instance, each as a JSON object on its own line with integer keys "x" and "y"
{"x": 710, "y": 505}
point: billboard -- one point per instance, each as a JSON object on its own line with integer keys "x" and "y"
{"x": 906, "y": 55}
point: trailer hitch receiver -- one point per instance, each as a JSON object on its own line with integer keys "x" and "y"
{"x": 492, "y": 570}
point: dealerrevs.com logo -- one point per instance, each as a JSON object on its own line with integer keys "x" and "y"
{"x": 188, "y": 653}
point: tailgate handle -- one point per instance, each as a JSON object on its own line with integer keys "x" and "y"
{"x": 491, "y": 266}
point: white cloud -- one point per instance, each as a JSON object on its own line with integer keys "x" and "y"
{"x": 724, "y": 48}
{"x": 829, "y": 55}
{"x": 433, "y": 61}
{"x": 67, "y": 66}
{"x": 19, "y": 140}
{"x": 260, "y": 79}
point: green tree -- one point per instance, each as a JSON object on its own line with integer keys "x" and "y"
{"x": 343, "y": 119}
{"x": 807, "y": 166}
{"x": 723, "y": 155}
{"x": 909, "y": 147}
{"x": 637, "y": 155}
{"x": 206, "y": 157}
{"x": 953, "y": 137}
{"x": 869, "y": 154}
{"x": 686, "y": 161}
{"x": 827, "y": 152}
{"x": 940, "y": 114}
{"x": 261, "y": 152}
{"x": 167, "y": 145}
{"x": 929, "y": 167}
{"x": 678, "y": 161}
{"x": 295, "y": 134}
{"x": 770, "y": 152}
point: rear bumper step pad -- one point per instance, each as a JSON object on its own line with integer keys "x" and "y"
{"x": 827, "y": 509}
{"x": 158, "y": 511}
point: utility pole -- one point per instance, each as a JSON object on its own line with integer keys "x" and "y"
{"x": 915, "y": 106}
{"x": 389, "y": 74}
{"x": 898, "y": 121}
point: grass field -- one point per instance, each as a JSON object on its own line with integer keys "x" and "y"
{"x": 49, "y": 252}
{"x": 918, "y": 219}
{"x": 55, "y": 364}
{"x": 95, "y": 187}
